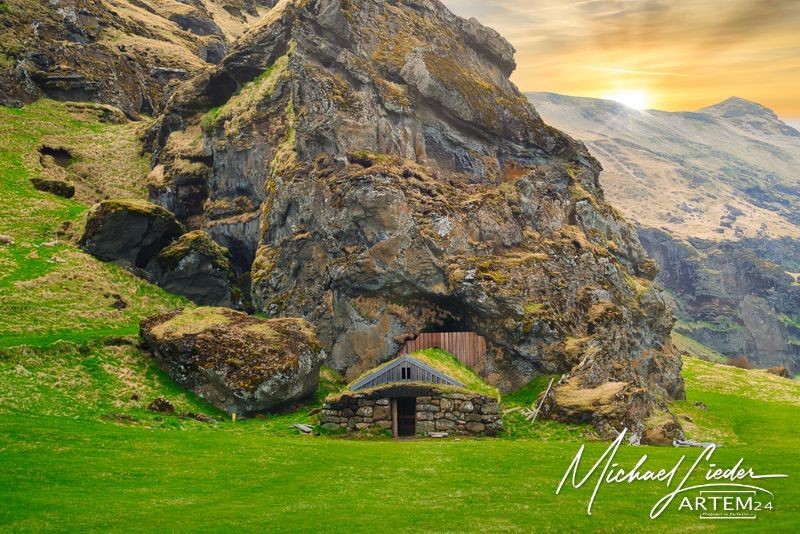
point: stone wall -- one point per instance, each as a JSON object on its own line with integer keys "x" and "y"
{"x": 454, "y": 413}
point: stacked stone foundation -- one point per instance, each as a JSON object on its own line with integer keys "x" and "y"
{"x": 454, "y": 413}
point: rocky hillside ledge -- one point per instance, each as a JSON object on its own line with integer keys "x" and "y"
{"x": 239, "y": 363}
{"x": 127, "y": 53}
{"x": 735, "y": 297}
{"x": 374, "y": 168}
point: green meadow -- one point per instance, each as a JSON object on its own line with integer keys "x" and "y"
{"x": 68, "y": 464}
{"x": 80, "y": 451}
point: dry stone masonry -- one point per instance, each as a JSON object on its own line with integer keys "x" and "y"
{"x": 454, "y": 413}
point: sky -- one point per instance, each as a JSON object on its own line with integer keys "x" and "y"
{"x": 662, "y": 54}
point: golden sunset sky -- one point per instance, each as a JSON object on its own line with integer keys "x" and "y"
{"x": 663, "y": 54}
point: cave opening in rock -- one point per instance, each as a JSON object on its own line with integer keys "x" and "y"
{"x": 242, "y": 253}
{"x": 451, "y": 330}
{"x": 450, "y": 316}
{"x": 447, "y": 323}
{"x": 220, "y": 89}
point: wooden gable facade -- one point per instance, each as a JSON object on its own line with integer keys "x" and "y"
{"x": 468, "y": 347}
{"x": 404, "y": 369}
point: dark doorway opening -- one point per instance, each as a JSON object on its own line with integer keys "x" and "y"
{"x": 407, "y": 417}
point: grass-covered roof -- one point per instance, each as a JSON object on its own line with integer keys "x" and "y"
{"x": 443, "y": 362}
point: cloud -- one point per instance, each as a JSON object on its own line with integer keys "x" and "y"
{"x": 700, "y": 49}
{"x": 630, "y": 71}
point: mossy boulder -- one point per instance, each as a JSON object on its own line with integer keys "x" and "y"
{"x": 779, "y": 370}
{"x": 129, "y": 232}
{"x": 237, "y": 362}
{"x": 612, "y": 406}
{"x": 197, "y": 268}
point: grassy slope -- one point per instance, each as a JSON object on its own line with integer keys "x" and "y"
{"x": 50, "y": 290}
{"x": 687, "y": 344}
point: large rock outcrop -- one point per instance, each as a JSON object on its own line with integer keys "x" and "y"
{"x": 237, "y": 362}
{"x": 716, "y": 197}
{"x": 372, "y": 166}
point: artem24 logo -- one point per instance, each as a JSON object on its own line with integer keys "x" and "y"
{"x": 728, "y": 503}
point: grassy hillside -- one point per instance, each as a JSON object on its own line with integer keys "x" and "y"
{"x": 686, "y": 344}
{"x": 50, "y": 290}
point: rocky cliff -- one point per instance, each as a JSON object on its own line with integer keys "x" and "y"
{"x": 730, "y": 297}
{"x": 715, "y": 194}
{"x": 373, "y": 169}
{"x": 129, "y": 54}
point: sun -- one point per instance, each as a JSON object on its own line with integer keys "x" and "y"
{"x": 632, "y": 98}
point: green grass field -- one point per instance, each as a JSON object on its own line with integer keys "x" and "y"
{"x": 79, "y": 451}
{"x": 70, "y": 462}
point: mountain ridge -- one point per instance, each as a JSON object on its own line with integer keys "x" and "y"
{"x": 656, "y": 152}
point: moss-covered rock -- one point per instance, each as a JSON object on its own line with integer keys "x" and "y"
{"x": 125, "y": 55}
{"x": 401, "y": 183}
{"x": 196, "y": 242}
{"x": 239, "y": 363}
{"x": 128, "y": 232}
{"x": 197, "y": 268}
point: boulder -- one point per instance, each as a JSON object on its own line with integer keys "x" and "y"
{"x": 612, "y": 406}
{"x": 661, "y": 429}
{"x": 237, "y": 362}
{"x": 197, "y": 268}
{"x": 161, "y": 405}
{"x": 6, "y": 240}
{"x": 780, "y": 371}
{"x": 128, "y": 232}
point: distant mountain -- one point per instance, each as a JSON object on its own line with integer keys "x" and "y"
{"x": 750, "y": 117}
{"x": 725, "y": 172}
{"x": 716, "y": 196}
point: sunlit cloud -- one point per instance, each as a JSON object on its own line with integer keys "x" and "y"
{"x": 684, "y": 54}
{"x": 629, "y": 71}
